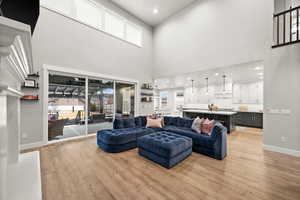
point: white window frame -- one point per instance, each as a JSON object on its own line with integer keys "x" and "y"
{"x": 87, "y": 75}
{"x": 101, "y": 9}
{"x": 137, "y": 27}
{"x": 119, "y": 17}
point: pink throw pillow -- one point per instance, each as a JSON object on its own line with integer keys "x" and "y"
{"x": 207, "y": 126}
{"x": 154, "y": 123}
{"x": 197, "y": 124}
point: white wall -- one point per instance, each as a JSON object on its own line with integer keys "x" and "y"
{"x": 60, "y": 41}
{"x": 282, "y": 81}
{"x": 212, "y": 33}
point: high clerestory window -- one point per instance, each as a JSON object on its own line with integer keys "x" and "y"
{"x": 97, "y": 16}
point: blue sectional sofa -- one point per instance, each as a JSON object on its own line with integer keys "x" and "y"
{"x": 126, "y": 132}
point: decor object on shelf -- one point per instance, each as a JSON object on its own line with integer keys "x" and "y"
{"x": 146, "y": 99}
{"x": 30, "y": 97}
{"x": 147, "y": 86}
{"x": 29, "y": 83}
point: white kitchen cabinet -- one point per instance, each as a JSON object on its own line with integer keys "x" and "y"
{"x": 237, "y": 93}
{"x": 248, "y": 93}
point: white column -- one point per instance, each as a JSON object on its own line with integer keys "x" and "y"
{"x": 3, "y": 147}
{"x": 13, "y": 129}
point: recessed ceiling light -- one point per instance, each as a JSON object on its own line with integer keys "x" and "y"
{"x": 260, "y": 73}
{"x": 217, "y": 74}
{"x": 257, "y": 68}
{"x": 155, "y": 11}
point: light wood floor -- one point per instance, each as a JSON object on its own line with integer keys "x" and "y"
{"x": 79, "y": 170}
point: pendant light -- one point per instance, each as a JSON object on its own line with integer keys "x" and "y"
{"x": 192, "y": 86}
{"x": 206, "y": 86}
{"x": 224, "y": 82}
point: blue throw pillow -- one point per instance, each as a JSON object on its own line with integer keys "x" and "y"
{"x": 168, "y": 120}
{"x": 118, "y": 123}
{"x": 180, "y": 122}
{"x": 175, "y": 121}
{"x": 144, "y": 121}
{"x": 129, "y": 123}
{"x": 138, "y": 122}
{"x": 187, "y": 122}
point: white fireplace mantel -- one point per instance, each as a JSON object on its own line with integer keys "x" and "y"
{"x": 15, "y": 47}
{"x": 15, "y": 65}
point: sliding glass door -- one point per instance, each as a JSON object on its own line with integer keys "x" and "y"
{"x": 80, "y": 105}
{"x": 100, "y": 105}
{"x": 66, "y": 106}
{"x": 125, "y": 100}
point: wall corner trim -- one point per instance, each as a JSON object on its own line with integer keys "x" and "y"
{"x": 281, "y": 150}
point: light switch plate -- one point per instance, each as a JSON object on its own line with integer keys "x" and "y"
{"x": 286, "y": 111}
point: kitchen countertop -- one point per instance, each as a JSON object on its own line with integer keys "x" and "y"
{"x": 248, "y": 111}
{"x": 229, "y": 110}
{"x": 215, "y": 112}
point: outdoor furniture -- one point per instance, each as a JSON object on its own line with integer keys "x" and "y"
{"x": 97, "y": 118}
{"x": 56, "y": 128}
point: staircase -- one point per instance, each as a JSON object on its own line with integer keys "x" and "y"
{"x": 286, "y": 27}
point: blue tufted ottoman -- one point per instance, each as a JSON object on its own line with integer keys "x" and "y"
{"x": 165, "y": 148}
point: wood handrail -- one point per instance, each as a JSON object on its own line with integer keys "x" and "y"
{"x": 286, "y": 11}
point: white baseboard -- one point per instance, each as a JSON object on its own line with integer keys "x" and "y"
{"x": 32, "y": 145}
{"x": 282, "y": 150}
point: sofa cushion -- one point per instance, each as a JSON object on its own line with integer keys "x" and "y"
{"x": 129, "y": 123}
{"x": 119, "y": 136}
{"x": 147, "y": 131}
{"x": 208, "y": 142}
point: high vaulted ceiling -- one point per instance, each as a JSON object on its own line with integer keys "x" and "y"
{"x": 143, "y": 9}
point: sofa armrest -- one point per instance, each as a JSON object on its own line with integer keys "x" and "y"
{"x": 219, "y": 134}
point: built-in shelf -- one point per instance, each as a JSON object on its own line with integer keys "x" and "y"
{"x": 36, "y": 87}
{"x": 150, "y": 89}
{"x": 29, "y": 99}
{"x": 147, "y": 95}
{"x": 34, "y": 75}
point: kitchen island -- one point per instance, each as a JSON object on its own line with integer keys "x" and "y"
{"x": 227, "y": 118}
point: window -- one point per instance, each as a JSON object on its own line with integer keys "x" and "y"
{"x": 114, "y": 25}
{"x": 133, "y": 34}
{"x": 94, "y": 14}
{"x": 65, "y": 7}
{"x": 89, "y": 13}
